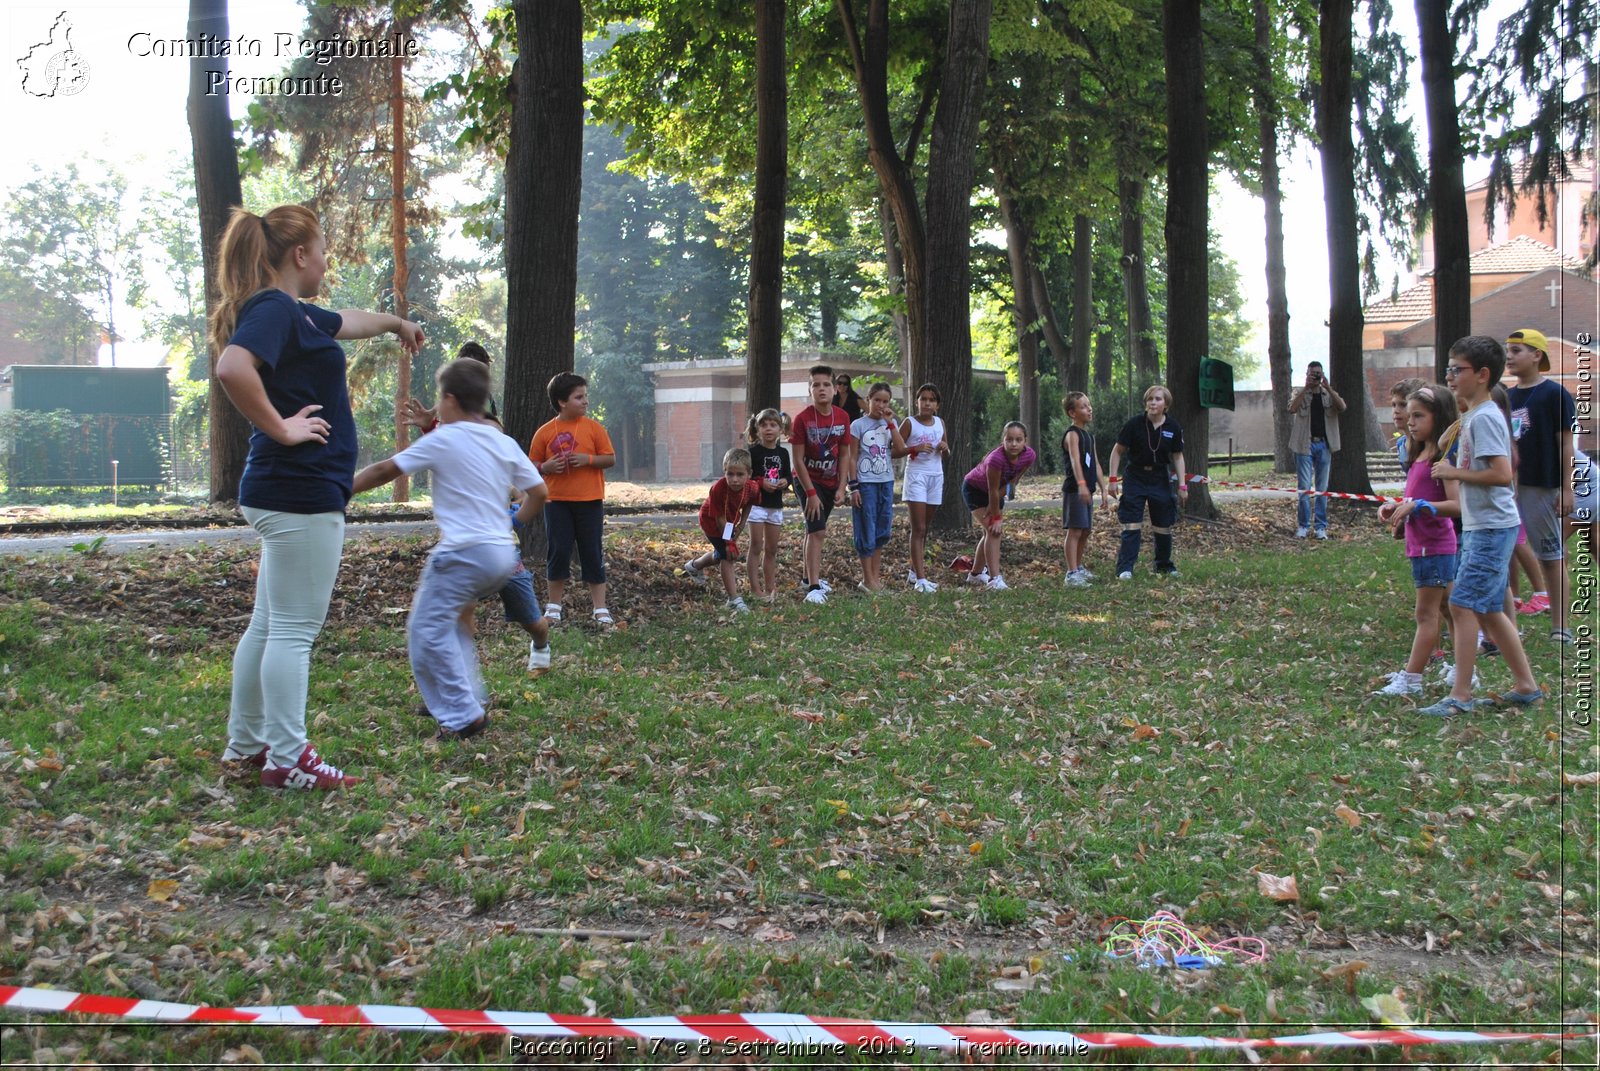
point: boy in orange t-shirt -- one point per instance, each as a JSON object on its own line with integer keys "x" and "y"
{"x": 572, "y": 453}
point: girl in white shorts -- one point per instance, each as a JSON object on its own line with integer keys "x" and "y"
{"x": 923, "y": 489}
{"x": 771, "y": 470}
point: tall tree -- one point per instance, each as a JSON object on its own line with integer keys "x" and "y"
{"x": 1278, "y": 353}
{"x": 764, "y": 356}
{"x": 1186, "y": 229}
{"x": 217, "y": 191}
{"x": 952, "y": 153}
{"x": 1135, "y": 274}
{"x": 1447, "y": 197}
{"x": 544, "y": 182}
{"x": 1023, "y": 311}
{"x": 399, "y": 143}
{"x": 1335, "y": 102}
{"x": 869, "y": 50}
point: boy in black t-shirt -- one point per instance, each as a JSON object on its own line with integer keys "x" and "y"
{"x": 1151, "y": 442}
{"x": 1542, "y": 414}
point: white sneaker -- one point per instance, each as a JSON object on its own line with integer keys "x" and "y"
{"x": 693, "y": 572}
{"x": 1402, "y": 683}
{"x": 1076, "y": 579}
{"x": 1125, "y": 575}
{"x": 1084, "y": 572}
{"x": 1322, "y": 533}
{"x": 538, "y": 657}
{"x": 1448, "y": 676}
{"x": 912, "y": 577}
{"x": 827, "y": 588}
{"x": 926, "y": 586}
{"x": 738, "y": 605}
{"x": 1302, "y": 532}
{"x": 817, "y": 595}
{"x": 997, "y": 584}
{"x": 976, "y": 577}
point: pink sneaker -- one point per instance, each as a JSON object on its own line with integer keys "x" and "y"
{"x": 1534, "y": 604}
{"x": 309, "y": 773}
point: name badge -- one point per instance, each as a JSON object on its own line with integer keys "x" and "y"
{"x": 1166, "y": 434}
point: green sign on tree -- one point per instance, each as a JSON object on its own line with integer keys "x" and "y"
{"x": 1216, "y": 384}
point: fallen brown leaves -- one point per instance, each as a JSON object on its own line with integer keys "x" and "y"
{"x": 162, "y": 594}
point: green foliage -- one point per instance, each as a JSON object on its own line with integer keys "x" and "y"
{"x": 1530, "y": 100}
{"x": 70, "y": 255}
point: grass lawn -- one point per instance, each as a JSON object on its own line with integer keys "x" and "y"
{"x": 925, "y": 809}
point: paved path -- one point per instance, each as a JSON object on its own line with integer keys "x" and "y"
{"x": 126, "y": 542}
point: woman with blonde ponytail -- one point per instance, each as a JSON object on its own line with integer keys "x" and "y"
{"x": 282, "y": 367}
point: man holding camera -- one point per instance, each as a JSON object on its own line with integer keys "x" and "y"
{"x": 1314, "y": 438}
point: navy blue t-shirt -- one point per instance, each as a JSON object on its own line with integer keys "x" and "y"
{"x": 1540, "y": 415}
{"x": 302, "y": 365}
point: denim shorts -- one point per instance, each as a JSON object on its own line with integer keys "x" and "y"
{"x": 1484, "y": 569}
{"x": 518, "y": 598}
{"x": 870, "y": 522}
{"x": 976, "y": 498}
{"x": 1433, "y": 570}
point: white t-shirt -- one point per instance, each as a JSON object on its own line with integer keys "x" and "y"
{"x": 474, "y": 466}
{"x": 925, "y": 436}
{"x": 872, "y": 450}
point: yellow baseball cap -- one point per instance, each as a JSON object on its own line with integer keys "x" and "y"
{"x": 1533, "y": 340}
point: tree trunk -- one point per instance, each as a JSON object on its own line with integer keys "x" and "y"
{"x": 894, "y": 271}
{"x": 1022, "y": 309}
{"x": 1279, "y": 358}
{"x": 952, "y": 153}
{"x": 216, "y": 184}
{"x": 1102, "y": 360}
{"x": 1334, "y": 104}
{"x": 1045, "y": 309}
{"x": 544, "y": 180}
{"x": 1447, "y": 198}
{"x": 766, "y": 224}
{"x": 869, "y": 54}
{"x": 397, "y": 238}
{"x": 1075, "y": 375}
{"x": 1136, "y": 284}
{"x": 1187, "y": 189}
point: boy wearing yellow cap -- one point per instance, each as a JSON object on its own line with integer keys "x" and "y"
{"x": 1542, "y": 414}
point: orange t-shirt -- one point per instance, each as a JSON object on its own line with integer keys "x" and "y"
{"x": 581, "y": 436}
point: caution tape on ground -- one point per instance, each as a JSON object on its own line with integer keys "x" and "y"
{"x": 1298, "y": 491}
{"x": 774, "y": 1032}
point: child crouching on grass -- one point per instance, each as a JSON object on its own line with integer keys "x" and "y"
{"x": 984, "y": 492}
{"x": 722, "y": 517}
{"x": 473, "y": 462}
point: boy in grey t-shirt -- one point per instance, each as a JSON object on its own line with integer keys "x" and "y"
{"x": 1489, "y": 523}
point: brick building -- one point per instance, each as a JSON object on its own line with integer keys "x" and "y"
{"x": 701, "y": 412}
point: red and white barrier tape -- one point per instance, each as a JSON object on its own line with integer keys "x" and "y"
{"x": 1298, "y": 491}
{"x": 774, "y": 1031}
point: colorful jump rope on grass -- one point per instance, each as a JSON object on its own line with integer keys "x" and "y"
{"x": 1164, "y": 940}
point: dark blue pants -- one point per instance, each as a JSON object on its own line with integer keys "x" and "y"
{"x": 1139, "y": 489}
{"x": 581, "y": 523}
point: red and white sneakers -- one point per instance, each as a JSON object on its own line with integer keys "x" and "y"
{"x": 310, "y": 774}
{"x": 237, "y": 766}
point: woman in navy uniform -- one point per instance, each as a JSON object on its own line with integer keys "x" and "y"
{"x": 1152, "y": 443}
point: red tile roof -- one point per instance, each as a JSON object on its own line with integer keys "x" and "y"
{"x": 1520, "y": 256}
